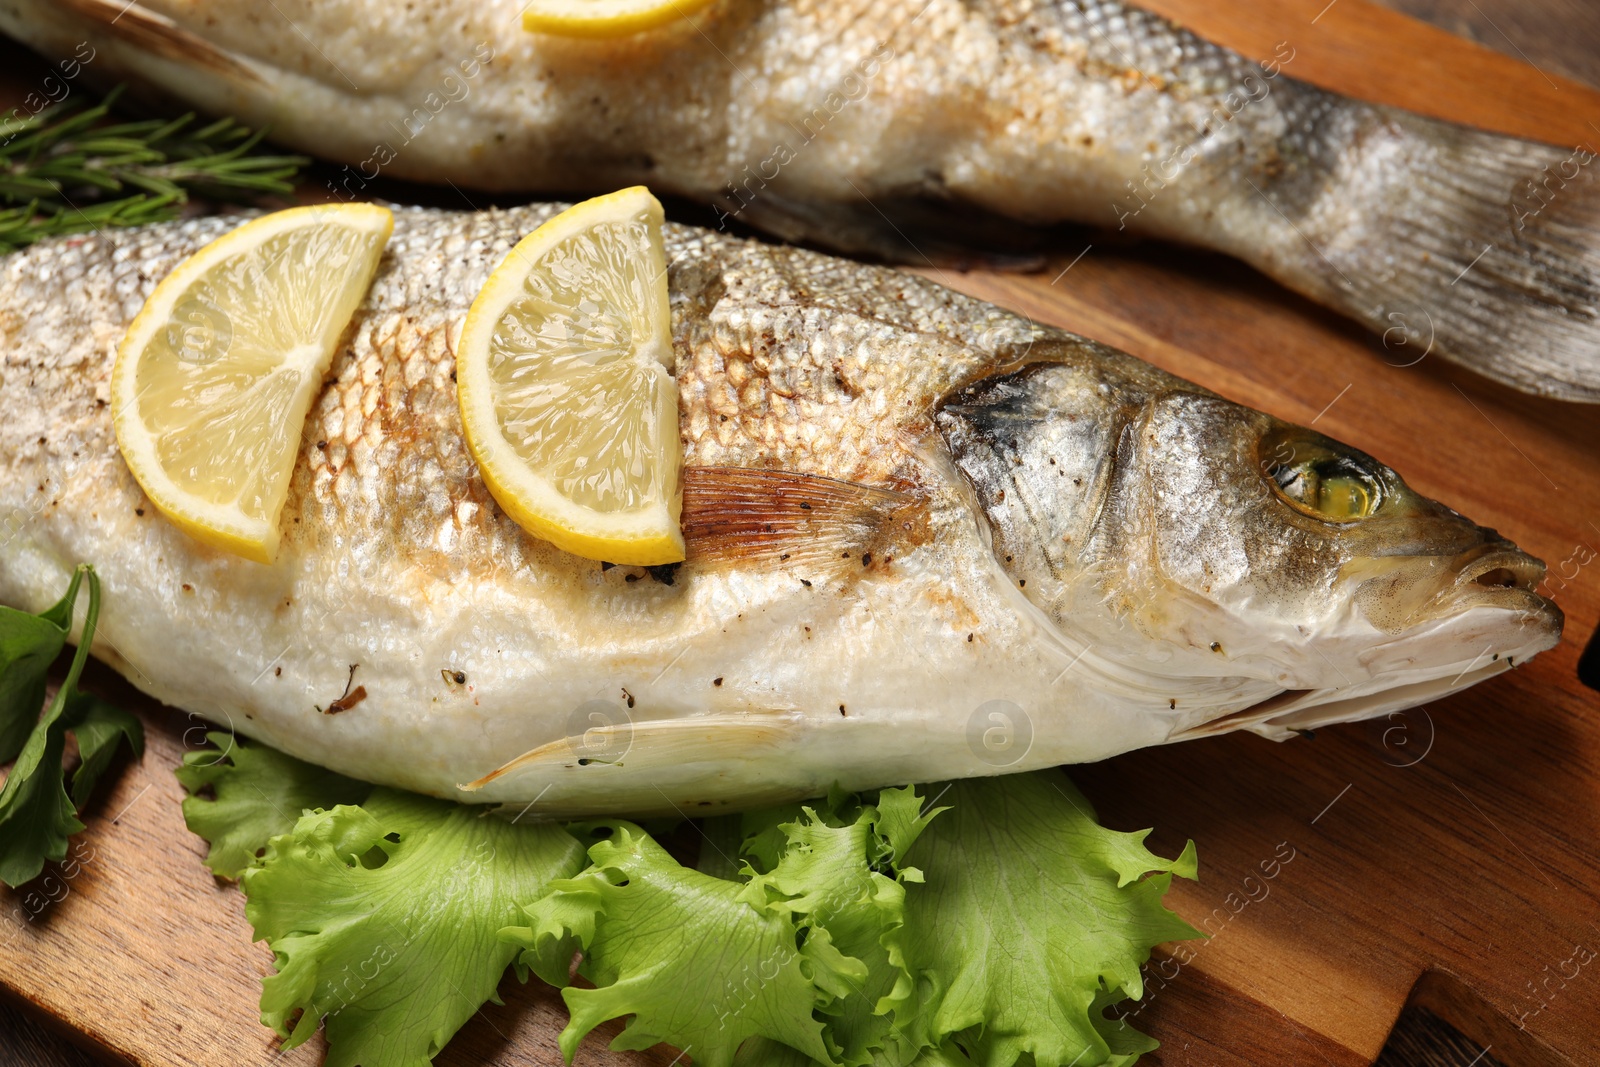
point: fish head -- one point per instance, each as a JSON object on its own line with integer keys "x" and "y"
{"x": 1265, "y": 574}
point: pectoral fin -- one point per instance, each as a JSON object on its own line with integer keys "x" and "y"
{"x": 736, "y": 513}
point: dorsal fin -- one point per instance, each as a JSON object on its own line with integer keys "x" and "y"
{"x": 157, "y": 34}
{"x": 746, "y": 513}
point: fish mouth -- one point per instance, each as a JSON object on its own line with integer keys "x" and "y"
{"x": 1489, "y": 604}
{"x": 1295, "y": 711}
{"x": 1498, "y": 567}
{"x": 1400, "y": 592}
{"x": 1502, "y": 576}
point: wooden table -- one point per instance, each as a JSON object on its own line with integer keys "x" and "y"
{"x": 1463, "y": 836}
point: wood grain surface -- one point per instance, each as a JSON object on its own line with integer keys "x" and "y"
{"x": 1463, "y": 836}
{"x": 1555, "y": 36}
{"x": 1378, "y": 54}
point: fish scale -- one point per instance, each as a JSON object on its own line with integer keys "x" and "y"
{"x": 907, "y": 512}
{"x": 806, "y": 344}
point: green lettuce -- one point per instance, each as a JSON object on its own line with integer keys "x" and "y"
{"x": 1023, "y": 921}
{"x": 383, "y": 920}
{"x": 839, "y": 872}
{"x": 698, "y": 962}
{"x": 257, "y": 793}
{"x": 37, "y": 813}
{"x": 761, "y": 1052}
{"x": 1032, "y": 920}
{"x": 994, "y": 929}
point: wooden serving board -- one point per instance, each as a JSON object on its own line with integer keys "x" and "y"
{"x": 1464, "y": 836}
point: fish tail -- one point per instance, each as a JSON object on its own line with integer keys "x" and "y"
{"x": 1455, "y": 242}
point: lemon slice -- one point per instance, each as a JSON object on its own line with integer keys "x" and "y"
{"x": 213, "y": 381}
{"x": 567, "y": 397}
{"x": 604, "y": 18}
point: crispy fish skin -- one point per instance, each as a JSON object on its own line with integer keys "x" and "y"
{"x": 909, "y": 129}
{"x": 928, "y": 538}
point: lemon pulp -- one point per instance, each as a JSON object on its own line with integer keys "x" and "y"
{"x": 564, "y": 375}
{"x": 216, "y": 374}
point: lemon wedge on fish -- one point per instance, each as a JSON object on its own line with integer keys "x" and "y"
{"x": 564, "y": 371}
{"x": 604, "y": 18}
{"x": 216, "y": 374}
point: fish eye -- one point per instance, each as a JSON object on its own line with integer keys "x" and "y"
{"x": 1325, "y": 484}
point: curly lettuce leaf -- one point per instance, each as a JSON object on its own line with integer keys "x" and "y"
{"x": 1025, "y": 921}
{"x": 945, "y": 1055}
{"x": 837, "y": 872}
{"x": 860, "y": 931}
{"x": 760, "y": 1052}
{"x": 698, "y": 962}
{"x": 257, "y": 793}
{"x": 720, "y": 839}
{"x": 1032, "y": 920}
{"x": 37, "y": 814}
{"x": 384, "y": 920}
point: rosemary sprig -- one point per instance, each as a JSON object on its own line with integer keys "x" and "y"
{"x": 67, "y": 170}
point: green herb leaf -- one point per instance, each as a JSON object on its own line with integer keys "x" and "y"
{"x": 1033, "y": 919}
{"x": 36, "y": 813}
{"x": 383, "y": 920}
{"x": 28, "y": 645}
{"x": 698, "y": 962}
{"x": 98, "y": 727}
{"x": 257, "y": 794}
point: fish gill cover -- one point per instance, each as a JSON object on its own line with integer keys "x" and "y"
{"x": 990, "y": 921}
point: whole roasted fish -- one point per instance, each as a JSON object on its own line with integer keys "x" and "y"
{"x": 927, "y": 538}
{"x": 908, "y": 127}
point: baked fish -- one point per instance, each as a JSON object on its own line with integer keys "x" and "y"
{"x": 908, "y": 129}
{"x": 927, "y": 539}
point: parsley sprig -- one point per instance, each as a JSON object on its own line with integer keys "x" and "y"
{"x": 37, "y": 814}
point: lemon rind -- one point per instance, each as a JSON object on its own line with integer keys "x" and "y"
{"x": 628, "y": 19}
